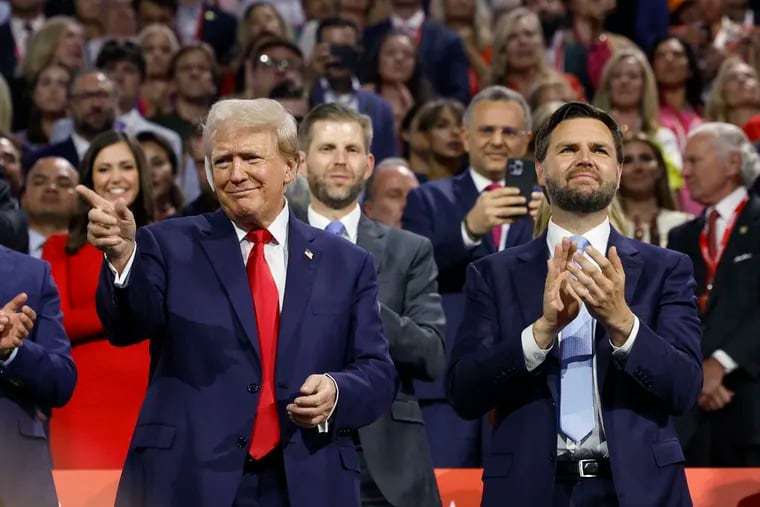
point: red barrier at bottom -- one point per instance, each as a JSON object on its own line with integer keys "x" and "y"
{"x": 710, "y": 487}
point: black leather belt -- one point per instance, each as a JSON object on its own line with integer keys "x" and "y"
{"x": 584, "y": 468}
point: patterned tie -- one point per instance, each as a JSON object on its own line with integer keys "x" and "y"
{"x": 712, "y": 233}
{"x": 496, "y": 231}
{"x": 336, "y": 227}
{"x": 576, "y": 415}
{"x": 266, "y": 302}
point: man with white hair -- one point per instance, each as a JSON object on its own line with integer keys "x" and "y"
{"x": 720, "y": 164}
{"x": 267, "y": 346}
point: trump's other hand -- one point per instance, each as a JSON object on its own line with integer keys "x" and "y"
{"x": 313, "y": 407}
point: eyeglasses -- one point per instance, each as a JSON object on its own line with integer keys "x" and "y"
{"x": 506, "y": 132}
{"x": 281, "y": 64}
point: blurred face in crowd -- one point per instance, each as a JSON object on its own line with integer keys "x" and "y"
{"x": 274, "y": 66}
{"x": 316, "y": 9}
{"x": 548, "y": 11}
{"x": 463, "y": 10}
{"x": 710, "y": 10}
{"x": 70, "y": 48}
{"x": 250, "y": 174}
{"x": 27, "y": 6}
{"x": 93, "y": 104}
{"x": 580, "y": 171}
{"x": 162, "y": 174}
{"x": 396, "y": 59}
{"x": 262, "y": 19}
{"x": 355, "y": 11}
{"x": 390, "y": 186}
{"x": 127, "y": 80}
{"x": 194, "y": 77}
{"x": 559, "y": 91}
{"x": 339, "y": 36}
{"x": 149, "y": 12}
{"x": 115, "y": 174}
{"x": 157, "y": 51}
{"x": 524, "y": 45}
{"x": 337, "y": 162}
{"x": 88, "y": 10}
{"x": 298, "y": 107}
{"x": 740, "y": 87}
{"x": 445, "y": 137}
{"x": 670, "y": 63}
{"x": 10, "y": 161}
{"x": 596, "y": 10}
{"x": 49, "y": 194}
{"x": 497, "y": 131}
{"x": 709, "y": 175}
{"x": 50, "y": 90}
{"x": 640, "y": 170}
{"x": 119, "y": 19}
{"x": 627, "y": 84}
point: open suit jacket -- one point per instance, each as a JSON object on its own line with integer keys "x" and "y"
{"x": 42, "y": 375}
{"x": 188, "y": 291}
{"x": 661, "y": 376}
{"x": 395, "y": 446}
{"x": 731, "y": 323}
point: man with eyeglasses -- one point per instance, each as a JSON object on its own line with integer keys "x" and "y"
{"x": 273, "y": 61}
{"x": 467, "y": 217}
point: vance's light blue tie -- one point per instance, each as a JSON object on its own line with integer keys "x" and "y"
{"x": 336, "y": 227}
{"x": 576, "y": 414}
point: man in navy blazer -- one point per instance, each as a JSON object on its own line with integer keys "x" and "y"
{"x": 184, "y": 284}
{"x": 461, "y": 216}
{"x": 443, "y": 57}
{"x": 36, "y": 373}
{"x": 603, "y": 346}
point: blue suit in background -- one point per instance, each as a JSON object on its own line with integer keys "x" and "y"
{"x": 188, "y": 291}
{"x": 42, "y": 375}
{"x": 661, "y": 376}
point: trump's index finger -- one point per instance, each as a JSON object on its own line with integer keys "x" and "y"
{"x": 93, "y": 198}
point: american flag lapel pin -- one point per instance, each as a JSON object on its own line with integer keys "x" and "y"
{"x": 743, "y": 229}
{"x": 308, "y": 253}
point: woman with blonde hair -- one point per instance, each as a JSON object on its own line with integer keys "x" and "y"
{"x": 158, "y": 44}
{"x": 6, "y": 106}
{"x": 519, "y": 60}
{"x": 735, "y": 97}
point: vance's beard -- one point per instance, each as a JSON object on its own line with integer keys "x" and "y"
{"x": 579, "y": 199}
{"x": 337, "y": 198}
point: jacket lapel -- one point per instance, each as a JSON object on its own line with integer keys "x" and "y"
{"x": 221, "y": 245}
{"x": 370, "y": 237}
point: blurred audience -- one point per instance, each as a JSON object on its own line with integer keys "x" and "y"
{"x": 270, "y": 62}
{"x": 164, "y": 166}
{"x": 49, "y": 104}
{"x": 441, "y": 152}
{"x": 735, "y": 97}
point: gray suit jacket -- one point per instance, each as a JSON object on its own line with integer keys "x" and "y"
{"x": 395, "y": 446}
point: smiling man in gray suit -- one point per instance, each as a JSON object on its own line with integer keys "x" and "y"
{"x": 396, "y": 467}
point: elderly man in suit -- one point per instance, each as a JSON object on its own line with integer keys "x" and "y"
{"x": 36, "y": 372}
{"x": 584, "y": 357}
{"x": 720, "y": 165}
{"x": 267, "y": 345}
{"x": 394, "y": 454}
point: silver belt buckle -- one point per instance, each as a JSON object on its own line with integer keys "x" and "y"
{"x": 582, "y": 472}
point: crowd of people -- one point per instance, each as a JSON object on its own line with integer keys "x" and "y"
{"x": 408, "y": 112}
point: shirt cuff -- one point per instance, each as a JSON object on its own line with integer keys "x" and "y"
{"x": 325, "y": 426}
{"x": 468, "y": 242}
{"x": 122, "y": 280}
{"x": 725, "y": 361}
{"x": 623, "y": 351}
{"x": 534, "y": 355}
{"x": 11, "y": 357}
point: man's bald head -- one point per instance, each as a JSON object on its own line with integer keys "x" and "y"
{"x": 386, "y": 191}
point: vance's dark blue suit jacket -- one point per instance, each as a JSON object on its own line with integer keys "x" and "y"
{"x": 41, "y": 376}
{"x": 188, "y": 291}
{"x": 661, "y": 377}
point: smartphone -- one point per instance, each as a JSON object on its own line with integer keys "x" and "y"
{"x": 521, "y": 173}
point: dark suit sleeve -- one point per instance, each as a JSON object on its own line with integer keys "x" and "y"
{"x": 482, "y": 369}
{"x": 43, "y": 367}
{"x": 368, "y": 383}
{"x": 458, "y": 80}
{"x": 384, "y": 143}
{"x": 667, "y": 361}
{"x": 416, "y": 337}
{"x": 135, "y": 312}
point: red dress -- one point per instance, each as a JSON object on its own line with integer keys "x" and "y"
{"x": 94, "y": 429}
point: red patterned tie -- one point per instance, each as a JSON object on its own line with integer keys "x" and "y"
{"x": 266, "y": 427}
{"x": 496, "y": 231}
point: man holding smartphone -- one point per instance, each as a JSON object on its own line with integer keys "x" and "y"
{"x": 467, "y": 217}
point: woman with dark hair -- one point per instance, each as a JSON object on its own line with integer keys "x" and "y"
{"x": 49, "y": 97}
{"x": 395, "y": 73}
{"x": 94, "y": 429}
{"x": 645, "y": 196}
{"x": 162, "y": 161}
{"x": 439, "y": 123}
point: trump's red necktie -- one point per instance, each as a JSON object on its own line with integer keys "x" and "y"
{"x": 266, "y": 426}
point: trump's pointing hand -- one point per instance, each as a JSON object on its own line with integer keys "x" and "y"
{"x": 111, "y": 227}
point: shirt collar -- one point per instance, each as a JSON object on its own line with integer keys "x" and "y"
{"x": 480, "y": 181}
{"x": 36, "y": 241}
{"x": 598, "y": 236}
{"x": 334, "y": 97}
{"x": 350, "y": 221}
{"x": 413, "y": 23}
{"x": 278, "y": 228}
{"x": 36, "y": 23}
{"x": 80, "y": 144}
{"x": 728, "y": 204}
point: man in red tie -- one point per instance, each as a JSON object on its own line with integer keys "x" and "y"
{"x": 268, "y": 351}
{"x": 720, "y": 164}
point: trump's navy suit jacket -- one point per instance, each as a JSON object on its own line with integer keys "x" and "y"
{"x": 188, "y": 291}
{"x": 41, "y": 376}
{"x": 661, "y": 376}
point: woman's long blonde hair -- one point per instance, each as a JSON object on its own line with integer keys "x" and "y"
{"x": 500, "y": 63}
{"x": 716, "y": 108}
{"x": 42, "y": 46}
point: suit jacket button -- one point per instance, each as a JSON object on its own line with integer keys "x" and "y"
{"x": 253, "y": 388}
{"x": 241, "y": 441}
